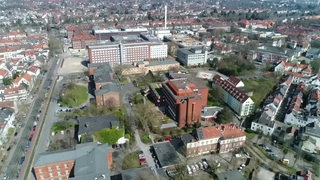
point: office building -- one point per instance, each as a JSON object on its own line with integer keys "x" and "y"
{"x": 185, "y": 98}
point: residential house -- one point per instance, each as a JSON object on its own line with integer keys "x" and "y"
{"x": 86, "y": 161}
{"x": 4, "y": 74}
{"x": 313, "y": 53}
{"x": 33, "y": 71}
{"x": 12, "y": 93}
{"x": 311, "y": 136}
{"x": 267, "y": 121}
{"x": 86, "y": 126}
{"x": 238, "y": 100}
{"x": 24, "y": 79}
{"x": 299, "y": 72}
{"x": 7, "y": 117}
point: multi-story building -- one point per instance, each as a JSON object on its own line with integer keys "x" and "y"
{"x": 185, "y": 98}
{"x": 82, "y": 40}
{"x": 239, "y": 101}
{"x": 127, "y": 50}
{"x": 146, "y": 66}
{"x": 87, "y": 161}
{"x": 192, "y": 56}
{"x": 221, "y": 138}
{"x": 106, "y": 87}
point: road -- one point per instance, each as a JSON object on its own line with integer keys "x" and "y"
{"x": 20, "y": 150}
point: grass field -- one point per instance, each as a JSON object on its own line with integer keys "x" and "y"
{"x": 62, "y": 126}
{"x": 260, "y": 88}
{"x": 74, "y": 95}
{"x": 130, "y": 161}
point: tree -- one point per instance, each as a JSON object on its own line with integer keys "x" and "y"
{"x": 144, "y": 115}
{"x": 315, "y": 65}
{"x": 7, "y": 81}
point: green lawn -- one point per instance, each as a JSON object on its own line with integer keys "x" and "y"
{"x": 260, "y": 88}
{"x": 74, "y": 95}
{"x": 62, "y": 126}
{"x": 131, "y": 161}
{"x": 109, "y": 135}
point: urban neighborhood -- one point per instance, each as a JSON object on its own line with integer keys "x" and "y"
{"x": 134, "y": 90}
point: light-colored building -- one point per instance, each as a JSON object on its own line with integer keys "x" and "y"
{"x": 145, "y": 66}
{"x": 192, "y": 56}
{"x": 266, "y": 123}
{"x": 128, "y": 50}
{"x": 239, "y": 101}
{"x": 221, "y": 138}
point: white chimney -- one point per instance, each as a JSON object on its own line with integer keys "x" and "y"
{"x": 165, "y": 17}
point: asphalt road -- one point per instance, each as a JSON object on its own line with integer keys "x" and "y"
{"x": 21, "y": 149}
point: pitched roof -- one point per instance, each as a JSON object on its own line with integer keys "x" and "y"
{"x": 90, "y": 125}
{"x": 91, "y": 160}
{"x": 234, "y": 80}
{"x": 208, "y": 132}
{"x": 230, "y": 88}
{"x": 3, "y": 72}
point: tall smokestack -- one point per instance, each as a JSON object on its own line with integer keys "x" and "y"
{"x": 165, "y": 17}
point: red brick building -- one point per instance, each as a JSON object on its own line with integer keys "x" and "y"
{"x": 82, "y": 40}
{"x": 221, "y": 138}
{"x": 80, "y": 163}
{"x": 185, "y": 98}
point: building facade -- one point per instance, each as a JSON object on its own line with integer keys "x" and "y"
{"x": 239, "y": 101}
{"x": 192, "y": 56}
{"x": 221, "y": 138}
{"x": 185, "y": 99}
{"x": 117, "y": 53}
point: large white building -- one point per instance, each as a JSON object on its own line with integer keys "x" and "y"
{"x": 128, "y": 50}
{"x": 192, "y": 56}
{"x": 239, "y": 101}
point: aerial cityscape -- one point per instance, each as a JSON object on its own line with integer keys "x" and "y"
{"x": 177, "y": 90}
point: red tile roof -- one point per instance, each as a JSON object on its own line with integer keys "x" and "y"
{"x": 234, "y": 80}
{"x": 211, "y": 132}
{"x": 230, "y": 88}
{"x": 4, "y": 72}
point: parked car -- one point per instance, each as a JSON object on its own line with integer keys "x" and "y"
{"x": 189, "y": 169}
{"x": 197, "y": 166}
{"x": 205, "y": 164}
{"x": 193, "y": 168}
{"x": 201, "y": 165}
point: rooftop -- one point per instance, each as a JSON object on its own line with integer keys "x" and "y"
{"x": 90, "y": 125}
{"x": 89, "y": 161}
{"x": 166, "y": 154}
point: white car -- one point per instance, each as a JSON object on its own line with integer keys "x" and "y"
{"x": 201, "y": 165}
{"x": 205, "y": 165}
{"x": 197, "y": 166}
{"x": 193, "y": 168}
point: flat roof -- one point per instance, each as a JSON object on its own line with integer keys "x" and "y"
{"x": 166, "y": 154}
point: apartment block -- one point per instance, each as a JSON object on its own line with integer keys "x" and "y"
{"x": 231, "y": 94}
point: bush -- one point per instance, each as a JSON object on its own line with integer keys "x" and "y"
{"x": 109, "y": 135}
{"x": 130, "y": 161}
{"x": 62, "y": 126}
